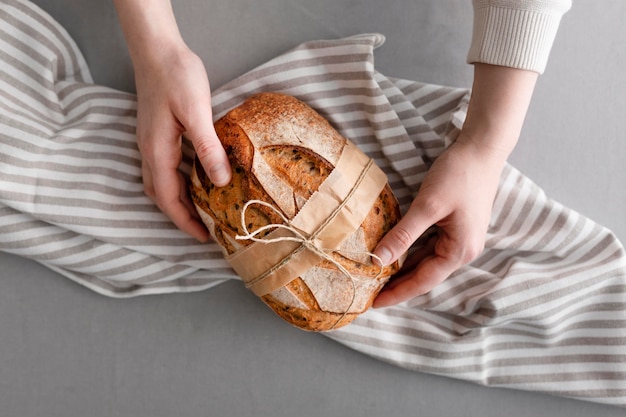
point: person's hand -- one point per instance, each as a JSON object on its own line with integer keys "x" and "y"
{"x": 174, "y": 98}
{"x": 459, "y": 189}
{"x": 457, "y": 196}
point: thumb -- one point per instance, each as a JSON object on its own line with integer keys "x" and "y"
{"x": 400, "y": 238}
{"x": 209, "y": 150}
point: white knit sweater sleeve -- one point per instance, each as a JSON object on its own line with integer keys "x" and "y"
{"x": 515, "y": 33}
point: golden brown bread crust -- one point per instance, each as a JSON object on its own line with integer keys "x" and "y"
{"x": 292, "y": 139}
{"x": 311, "y": 320}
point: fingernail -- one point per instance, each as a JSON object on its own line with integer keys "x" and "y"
{"x": 202, "y": 239}
{"x": 384, "y": 256}
{"x": 378, "y": 303}
{"x": 219, "y": 175}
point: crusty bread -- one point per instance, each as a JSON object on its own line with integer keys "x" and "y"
{"x": 281, "y": 151}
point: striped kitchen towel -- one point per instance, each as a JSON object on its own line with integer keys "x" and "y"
{"x": 543, "y": 308}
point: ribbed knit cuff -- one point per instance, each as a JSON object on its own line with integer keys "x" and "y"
{"x": 516, "y": 34}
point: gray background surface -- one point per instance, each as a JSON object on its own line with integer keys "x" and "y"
{"x": 66, "y": 351}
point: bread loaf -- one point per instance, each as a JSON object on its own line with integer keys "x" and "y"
{"x": 281, "y": 152}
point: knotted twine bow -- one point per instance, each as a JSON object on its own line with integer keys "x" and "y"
{"x": 328, "y": 218}
{"x": 306, "y": 242}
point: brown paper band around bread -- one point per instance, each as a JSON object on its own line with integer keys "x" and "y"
{"x": 328, "y": 218}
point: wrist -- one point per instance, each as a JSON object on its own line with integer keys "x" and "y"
{"x": 493, "y": 152}
{"x": 498, "y": 104}
{"x": 150, "y": 30}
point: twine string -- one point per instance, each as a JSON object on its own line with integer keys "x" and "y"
{"x": 305, "y": 243}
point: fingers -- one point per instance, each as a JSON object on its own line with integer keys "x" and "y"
{"x": 162, "y": 153}
{"x": 174, "y": 99}
{"x": 212, "y": 156}
{"x": 197, "y": 121}
{"x": 430, "y": 272}
{"x": 421, "y": 264}
{"x": 461, "y": 227}
{"x": 452, "y": 247}
{"x": 168, "y": 189}
{"x": 158, "y": 137}
{"x": 427, "y": 267}
{"x": 400, "y": 238}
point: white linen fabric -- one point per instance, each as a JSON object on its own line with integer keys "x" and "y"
{"x": 543, "y": 308}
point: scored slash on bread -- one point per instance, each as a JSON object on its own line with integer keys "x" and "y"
{"x": 281, "y": 152}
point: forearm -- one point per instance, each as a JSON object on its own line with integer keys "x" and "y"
{"x": 149, "y": 27}
{"x": 498, "y": 105}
